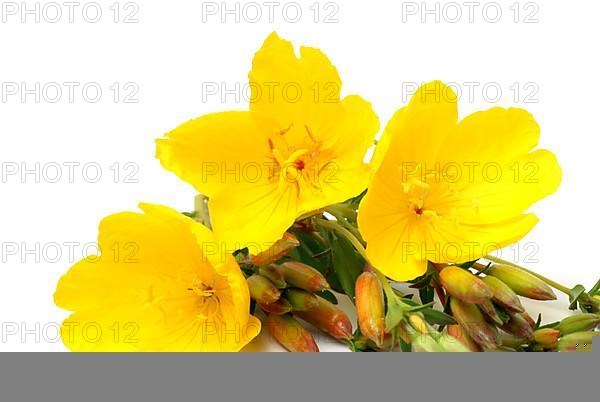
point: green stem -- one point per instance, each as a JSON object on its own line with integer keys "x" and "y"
{"x": 548, "y": 281}
{"x": 347, "y": 234}
{"x": 201, "y": 209}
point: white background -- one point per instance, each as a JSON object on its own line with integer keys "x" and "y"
{"x": 379, "y": 48}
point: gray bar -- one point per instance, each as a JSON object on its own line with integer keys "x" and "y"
{"x": 295, "y": 377}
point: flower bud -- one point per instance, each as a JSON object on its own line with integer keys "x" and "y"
{"x": 290, "y": 334}
{"x": 503, "y": 294}
{"x": 328, "y": 318}
{"x": 519, "y": 324}
{"x": 578, "y": 323}
{"x": 490, "y": 311}
{"x": 523, "y": 283}
{"x": 370, "y": 307}
{"x": 303, "y": 276}
{"x": 449, "y": 344}
{"x": 473, "y": 322}
{"x": 577, "y": 342}
{"x": 417, "y": 322}
{"x": 262, "y": 290}
{"x": 424, "y": 343}
{"x": 463, "y": 285}
{"x": 274, "y": 275}
{"x": 428, "y": 342}
{"x": 547, "y": 337}
{"x": 457, "y": 332}
{"x": 280, "y": 248}
{"x": 301, "y": 300}
{"x": 279, "y": 307}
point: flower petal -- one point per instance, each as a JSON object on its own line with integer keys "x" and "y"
{"x": 214, "y": 148}
{"x": 289, "y": 90}
{"x": 502, "y": 192}
{"x": 253, "y": 215}
{"x": 496, "y": 135}
{"x": 145, "y": 292}
{"x": 416, "y": 133}
{"x": 458, "y": 243}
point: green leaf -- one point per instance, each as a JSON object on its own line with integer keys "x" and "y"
{"x": 467, "y": 264}
{"x": 433, "y": 316}
{"x": 354, "y": 202}
{"x": 327, "y": 295}
{"x": 426, "y": 294}
{"x": 574, "y": 296}
{"x": 348, "y": 264}
{"x": 538, "y": 322}
{"x": 394, "y": 315}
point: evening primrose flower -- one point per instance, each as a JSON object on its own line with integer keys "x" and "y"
{"x": 297, "y": 149}
{"x": 160, "y": 284}
{"x": 449, "y": 191}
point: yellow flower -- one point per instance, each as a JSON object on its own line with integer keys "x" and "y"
{"x": 298, "y": 148}
{"x": 449, "y": 191}
{"x": 160, "y": 284}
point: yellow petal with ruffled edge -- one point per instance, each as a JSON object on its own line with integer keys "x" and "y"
{"x": 292, "y": 153}
{"x": 289, "y": 89}
{"x": 445, "y": 191}
{"x": 214, "y": 149}
{"x": 161, "y": 283}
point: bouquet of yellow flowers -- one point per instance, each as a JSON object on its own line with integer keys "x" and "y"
{"x": 299, "y": 205}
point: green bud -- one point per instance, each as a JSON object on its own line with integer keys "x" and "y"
{"x": 432, "y": 342}
{"x": 465, "y": 286}
{"x": 503, "y": 294}
{"x": 450, "y": 344}
{"x": 303, "y": 276}
{"x": 301, "y": 300}
{"x": 473, "y": 322}
{"x": 274, "y": 275}
{"x": 523, "y": 283}
{"x": 262, "y": 290}
{"x": 578, "y": 323}
{"x": 577, "y": 342}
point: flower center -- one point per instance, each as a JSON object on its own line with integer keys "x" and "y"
{"x": 294, "y": 151}
{"x": 207, "y": 302}
{"x": 417, "y": 188}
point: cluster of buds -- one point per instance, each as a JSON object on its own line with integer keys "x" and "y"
{"x": 490, "y": 315}
{"x": 487, "y": 311}
{"x": 289, "y": 290}
{"x": 413, "y": 328}
{"x": 482, "y": 309}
